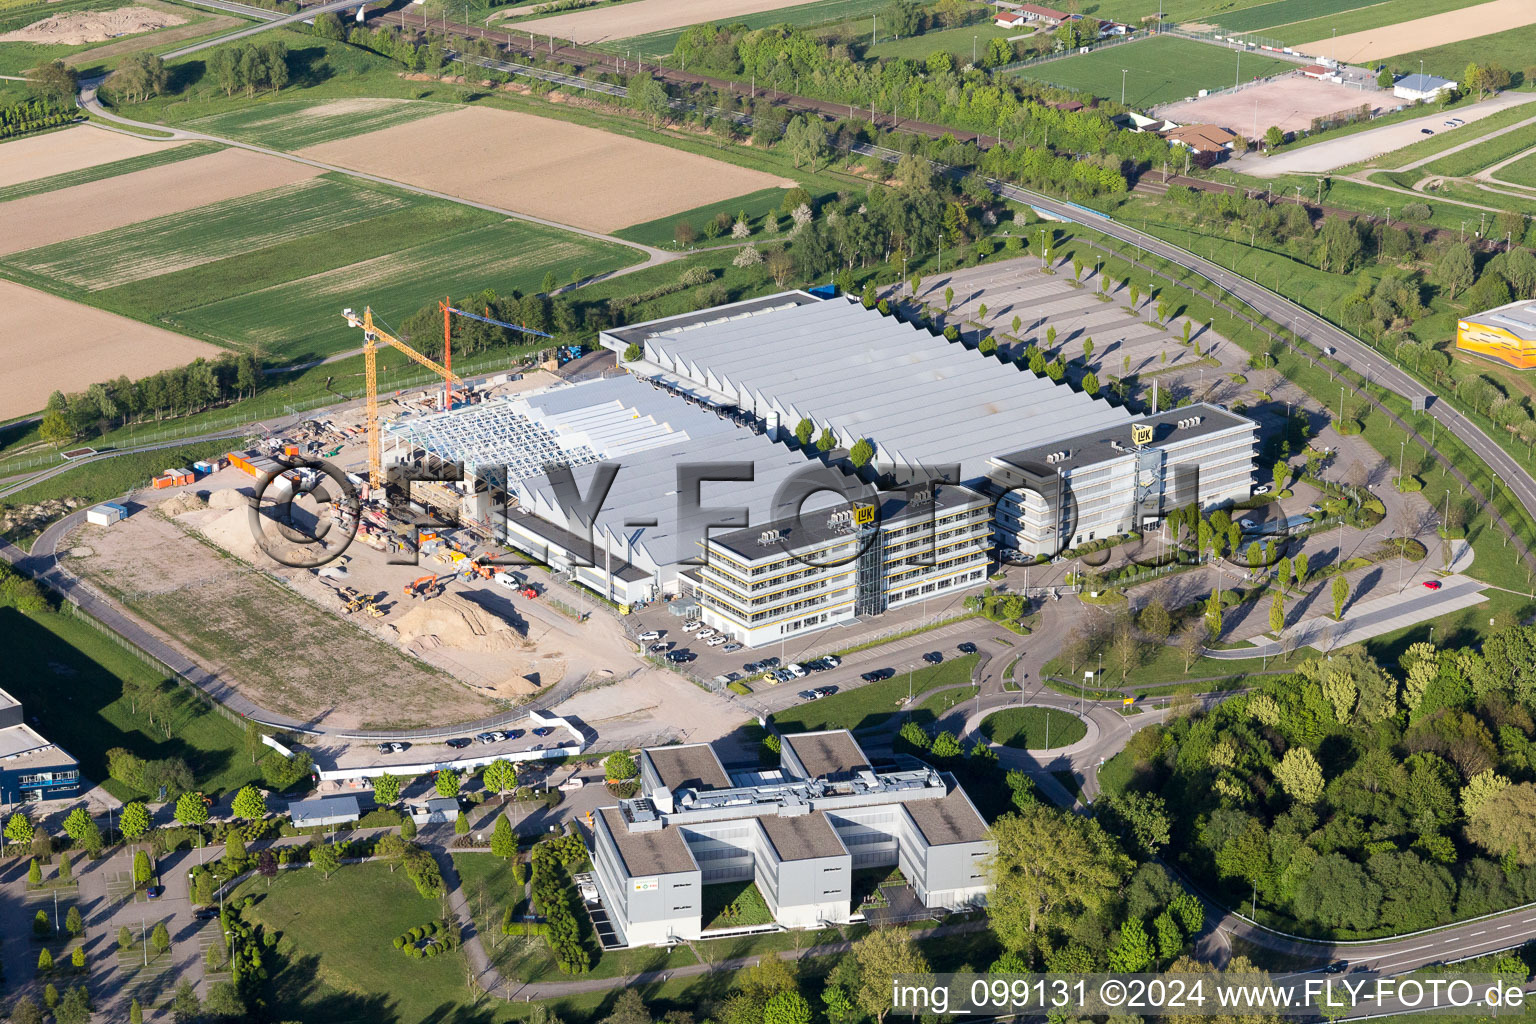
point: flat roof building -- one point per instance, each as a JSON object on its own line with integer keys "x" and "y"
{"x": 324, "y": 810}
{"x": 798, "y": 833}
{"x": 1506, "y": 333}
{"x": 32, "y": 769}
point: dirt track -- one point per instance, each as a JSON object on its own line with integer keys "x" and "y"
{"x": 1435, "y": 30}
{"x": 541, "y": 166}
{"x": 53, "y": 344}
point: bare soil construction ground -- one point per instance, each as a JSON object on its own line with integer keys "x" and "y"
{"x": 81, "y": 27}
{"x": 103, "y": 205}
{"x": 53, "y": 344}
{"x": 633, "y": 19}
{"x": 283, "y": 651}
{"x": 1435, "y": 30}
{"x": 1290, "y": 101}
{"x": 42, "y": 156}
{"x": 563, "y": 172}
{"x": 202, "y": 27}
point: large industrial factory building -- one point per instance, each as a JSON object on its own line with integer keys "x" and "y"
{"x": 709, "y": 493}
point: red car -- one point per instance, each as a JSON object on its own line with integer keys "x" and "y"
{"x": 1432, "y": 584}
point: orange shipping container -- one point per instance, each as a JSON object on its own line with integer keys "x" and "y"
{"x": 163, "y": 482}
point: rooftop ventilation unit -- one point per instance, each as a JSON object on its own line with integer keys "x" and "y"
{"x": 1056, "y": 457}
{"x": 768, "y": 537}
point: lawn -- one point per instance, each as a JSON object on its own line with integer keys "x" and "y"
{"x": 1521, "y": 172}
{"x": 965, "y": 42}
{"x": 105, "y": 479}
{"x": 1033, "y": 728}
{"x": 335, "y": 961}
{"x": 85, "y": 175}
{"x": 873, "y": 704}
{"x": 69, "y": 677}
{"x": 1511, "y": 48}
{"x": 1440, "y": 141}
{"x": 733, "y": 905}
{"x": 1484, "y": 154}
{"x": 660, "y": 232}
{"x": 295, "y": 123}
{"x": 1161, "y": 70}
{"x": 821, "y": 12}
{"x": 301, "y": 319}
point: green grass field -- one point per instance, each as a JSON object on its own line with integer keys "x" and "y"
{"x": 1283, "y": 12}
{"x": 1521, "y": 172}
{"x": 659, "y": 232}
{"x": 1443, "y": 140}
{"x": 294, "y": 124}
{"x": 1162, "y": 69}
{"x": 874, "y": 704}
{"x": 1033, "y": 728}
{"x": 105, "y": 479}
{"x": 70, "y": 677}
{"x": 1511, "y": 48}
{"x": 1484, "y": 154}
{"x": 302, "y": 318}
{"x": 958, "y": 41}
{"x": 86, "y": 175}
{"x": 821, "y": 12}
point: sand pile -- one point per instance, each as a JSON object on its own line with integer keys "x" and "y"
{"x": 229, "y": 497}
{"x": 231, "y": 530}
{"x": 453, "y": 621}
{"x": 93, "y": 26}
{"x": 182, "y": 504}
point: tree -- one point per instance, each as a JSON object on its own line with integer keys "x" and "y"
{"x": 1090, "y": 383}
{"x": 224, "y": 1001}
{"x": 133, "y": 822}
{"x": 190, "y": 809}
{"x": 945, "y": 746}
{"x": 1213, "y": 613}
{"x": 185, "y": 1006}
{"x": 827, "y": 441}
{"x": 18, "y": 828}
{"x": 882, "y": 955}
{"x": 1274, "y": 138}
{"x": 73, "y": 923}
{"x": 250, "y": 804}
{"x": 1155, "y": 621}
{"x": 1455, "y": 269}
{"x": 861, "y": 452}
{"x": 503, "y": 842}
{"x": 386, "y": 789}
{"x": 80, "y": 826}
{"x": 1050, "y": 866}
{"x": 55, "y": 80}
{"x": 447, "y": 783}
{"x": 1133, "y": 952}
{"x": 1385, "y": 79}
{"x": 26, "y": 1011}
{"x": 44, "y": 961}
{"x": 1140, "y": 820}
{"x": 461, "y": 824}
{"x": 1192, "y": 642}
{"x": 806, "y": 139}
{"x": 1479, "y": 789}
{"x": 34, "y": 873}
{"x": 142, "y": 870}
{"x": 77, "y": 958}
{"x": 327, "y": 858}
{"x": 160, "y": 938}
{"x": 649, "y": 97}
{"x": 1300, "y": 776}
{"x": 499, "y": 776}
{"x": 787, "y": 1008}
{"x": 1340, "y": 595}
{"x": 620, "y": 766}
{"x": 1299, "y": 565}
{"x": 1277, "y": 613}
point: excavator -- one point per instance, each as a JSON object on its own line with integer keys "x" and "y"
{"x": 427, "y": 587}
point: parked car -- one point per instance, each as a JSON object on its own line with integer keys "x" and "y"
{"x": 1426, "y": 131}
{"x": 771, "y": 662}
{"x": 731, "y": 647}
{"x": 934, "y": 657}
{"x": 689, "y": 627}
{"x": 680, "y": 657}
{"x": 704, "y": 634}
{"x": 486, "y": 737}
{"x": 795, "y": 671}
{"x": 806, "y": 695}
{"x": 752, "y": 666}
{"x": 1432, "y": 584}
{"x": 544, "y": 730}
{"x": 663, "y": 647}
{"x": 511, "y": 580}
{"x": 1315, "y": 508}
{"x": 384, "y": 748}
{"x": 154, "y": 892}
{"x": 715, "y": 641}
{"x": 399, "y": 748}
{"x": 460, "y": 743}
{"x": 875, "y": 675}
{"x": 1248, "y": 524}
{"x": 1263, "y": 489}
{"x": 967, "y": 648}
{"x": 649, "y": 635}
{"x": 824, "y": 691}
{"x": 206, "y": 913}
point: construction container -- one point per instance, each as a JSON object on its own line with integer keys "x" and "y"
{"x": 162, "y": 482}
{"x": 291, "y": 450}
{"x": 181, "y": 476}
{"x": 106, "y": 514}
{"x": 207, "y": 466}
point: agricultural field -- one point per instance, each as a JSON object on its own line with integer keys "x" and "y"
{"x": 1360, "y": 19}
{"x": 827, "y": 13}
{"x": 625, "y": 21}
{"x": 109, "y": 204}
{"x": 564, "y": 172}
{"x": 294, "y": 124}
{"x": 1283, "y": 12}
{"x": 301, "y": 319}
{"x": 52, "y": 343}
{"x": 90, "y": 35}
{"x": 962, "y": 42}
{"x": 1161, "y": 70}
{"x": 1500, "y": 31}
{"x": 661, "y": 231}
{"x": 51, "y": 157}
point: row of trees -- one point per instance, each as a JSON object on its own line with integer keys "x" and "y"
{"x": 180, "y": 391}
{"x": 250, "y": 66}
{"x": 140, "y": 76}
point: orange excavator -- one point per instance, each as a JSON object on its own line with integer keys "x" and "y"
{"x": 424, "y": 587}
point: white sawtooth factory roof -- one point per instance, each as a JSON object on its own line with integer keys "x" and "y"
{"x": 917, "y": 397}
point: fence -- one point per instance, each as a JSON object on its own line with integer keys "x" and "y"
{"x": 1102, "y": 44}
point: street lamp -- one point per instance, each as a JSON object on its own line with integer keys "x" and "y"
{"x": 1123, "y": 73}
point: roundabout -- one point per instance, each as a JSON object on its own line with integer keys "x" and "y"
{"x": 1034, "y": 728}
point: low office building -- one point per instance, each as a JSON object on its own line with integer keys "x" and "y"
{"x": 1422, "y": 88}
{"x": 32, "y": 769}
{"x": 1506, "y": 333}
{"x": 324, "y": 811}
{"x": 797, "y": 832}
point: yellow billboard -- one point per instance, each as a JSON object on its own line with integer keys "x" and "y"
{"x": 1495, "y": 343}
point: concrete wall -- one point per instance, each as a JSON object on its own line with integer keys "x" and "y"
{"x": 953, "y": 876}
{"x": 647, "y": 910}
{"x": 814, "y": 891}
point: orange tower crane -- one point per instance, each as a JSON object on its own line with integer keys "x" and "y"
{"x": 372, "y": 336}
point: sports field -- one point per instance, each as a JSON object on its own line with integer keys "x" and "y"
{"x": 821, "y": 12}
{"x": 1160, "y": 70}
{"x": 556, "y": 170}
{"x": 1289, "y": 102}
{"x": 1484, "y": 32}
{"x": 294, "y": 124}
